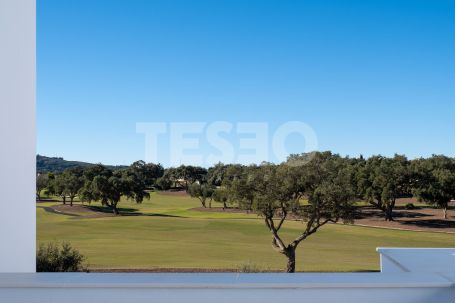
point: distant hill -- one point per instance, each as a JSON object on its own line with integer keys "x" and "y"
{"x": 56, "y": 164}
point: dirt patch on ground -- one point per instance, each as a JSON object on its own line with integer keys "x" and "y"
{"x": 421, "y": 219}
{"x": 220, "y": 209}
{"x": 178, "y": 193}
{"x": 418, "y": 219}
{"x": 76, "y": 208}
{"x": 404, "y": 201}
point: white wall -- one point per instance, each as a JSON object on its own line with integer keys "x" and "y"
{"x": 229, "y": 288}
{"x": 17, "y": 135}
{"x": 421, "y": 260}
{"x": 144, "y": 295}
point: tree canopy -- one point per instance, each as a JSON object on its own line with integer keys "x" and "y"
{"x": 316, "y": 193}
{"x": 434, "y": 181}
{"x": 382, "y": 180}
{"x": 102, "y": 184}
{"x": 185, "y": 175}
{"x": 203, "y": 192}
{"x": 42, "y": 182}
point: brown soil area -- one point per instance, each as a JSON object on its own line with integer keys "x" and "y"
{"x": 179, "y": 193}
{"x": 404, "y": 201}
{"x": 421, "y": 219}
{"x": 220, "y": 209}
{"x": 76, "y": 208}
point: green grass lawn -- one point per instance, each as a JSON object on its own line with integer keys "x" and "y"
{"x": 168, "y": 234}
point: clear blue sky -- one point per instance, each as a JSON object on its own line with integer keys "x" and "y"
{"x": 370, "y": 77}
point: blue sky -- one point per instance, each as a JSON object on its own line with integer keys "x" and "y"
{"x": 370, "y": 77}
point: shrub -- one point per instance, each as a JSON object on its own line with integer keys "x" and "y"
{"x": 250, "y": 267}
{"x": 410, "y": 206}
{"x": 58, "y": 258}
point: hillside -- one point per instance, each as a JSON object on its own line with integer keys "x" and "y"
{"x": 56, "y": 164}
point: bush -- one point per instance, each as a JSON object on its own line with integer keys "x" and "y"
{"x": 250, "y": 267}
{"x": 58, "y": 258}
{"x": 410, "y": 206}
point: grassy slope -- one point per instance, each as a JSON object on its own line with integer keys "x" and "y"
{"x": 169, "y": 235}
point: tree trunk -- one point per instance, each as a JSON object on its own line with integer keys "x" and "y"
{"x": 210, "y": 204}
{"x": 115, "y": 210}
{"x": 388, "y": 213}
{"x": 224, "y": 205}
{"x": 71, "y": 202}
{"x": 38, "y": 195}
{"x": 444, "y": 211}
{"x": 290, "y": 254}
{"x": 64, "y": 200}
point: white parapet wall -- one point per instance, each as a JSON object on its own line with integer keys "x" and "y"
{"x": 429, "y": 260}
{"x": 220, "y": 288}
{"x": 407, "y": 275}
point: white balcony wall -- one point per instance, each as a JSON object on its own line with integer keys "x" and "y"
{"x": 17, "y": 136}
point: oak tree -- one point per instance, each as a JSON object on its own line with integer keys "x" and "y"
{"x": 434, "y": 181}
{"x": 316, "y": 193}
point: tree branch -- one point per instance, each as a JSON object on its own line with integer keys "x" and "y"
{"x": 284, "y": 214}
{"x": 310, "y": 229}
{"x": 277, "y": 240}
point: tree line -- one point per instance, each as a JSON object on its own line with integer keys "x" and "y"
{"x": 378, "y": 180}
{"x": 316, "y": 188}
{"x": 57, "y": 164}
{"x": 101, "y": 183}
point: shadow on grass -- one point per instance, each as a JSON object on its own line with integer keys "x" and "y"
{"x": 104, "y": 211}
{"x": 368, "y": 212}
{"x": 435, "y": 223}
{"x": 45, "y": 200}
